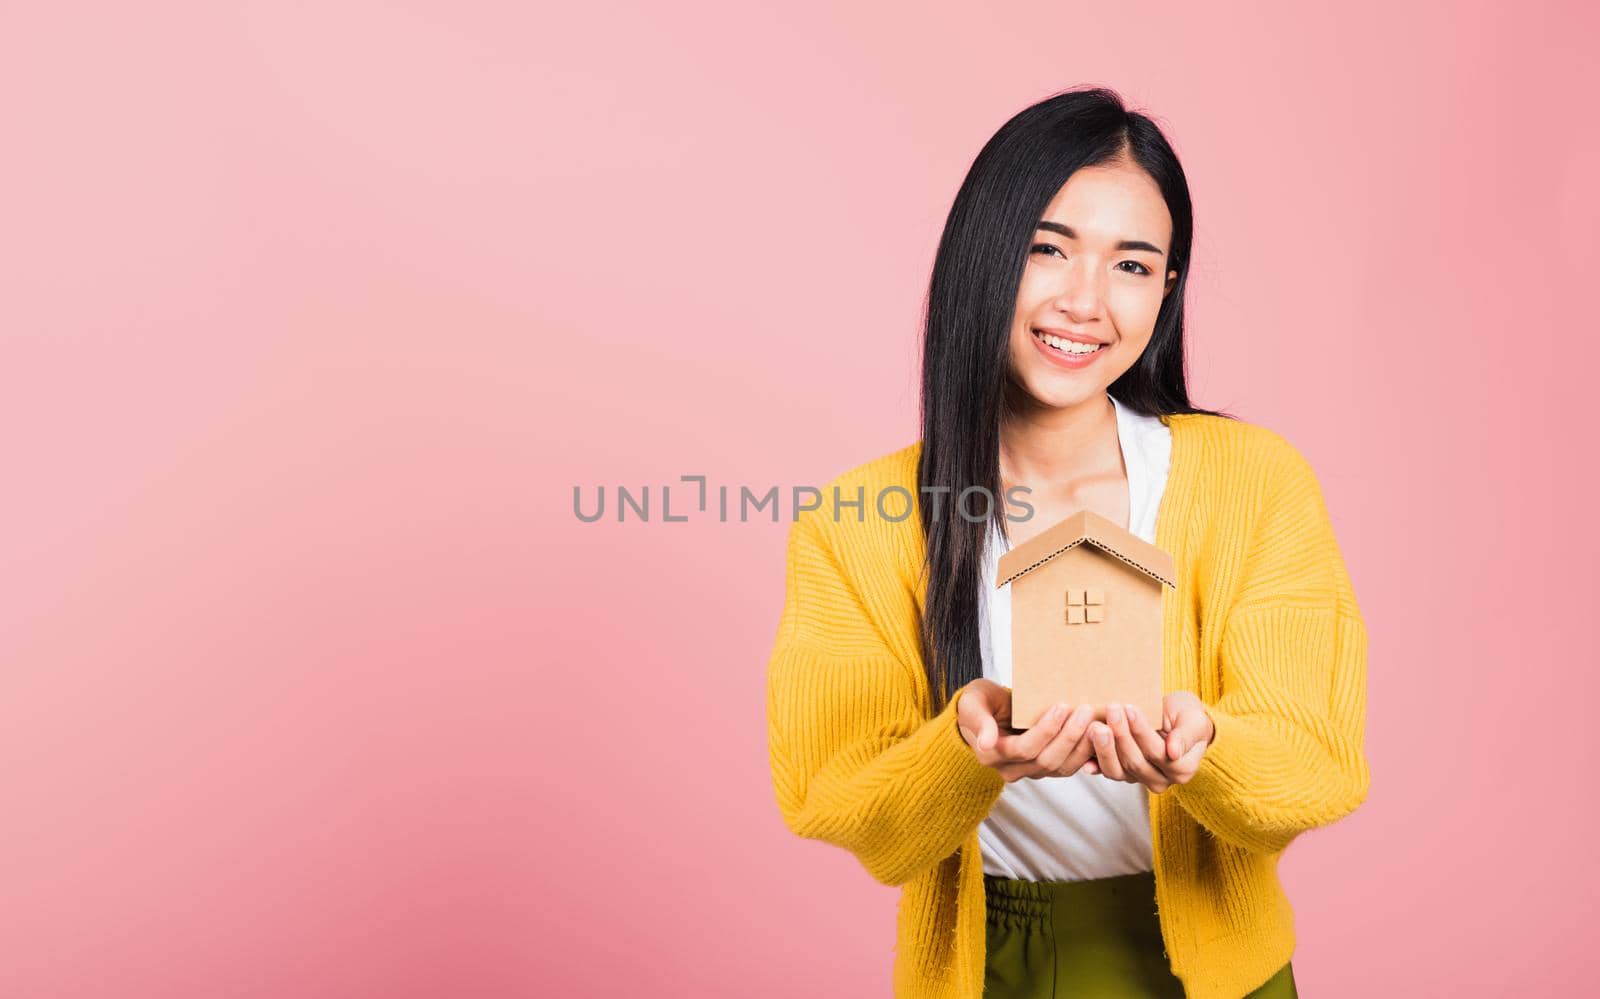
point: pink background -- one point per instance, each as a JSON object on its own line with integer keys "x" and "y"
{"x": 314, "y": 315}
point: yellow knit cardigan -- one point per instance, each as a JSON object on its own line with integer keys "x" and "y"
{"x": 1263, "y": 626}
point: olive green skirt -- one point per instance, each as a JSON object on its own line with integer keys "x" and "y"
{"x": 1084, "y": 940}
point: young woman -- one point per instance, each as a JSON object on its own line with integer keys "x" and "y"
{"x": 1139, "y": 857}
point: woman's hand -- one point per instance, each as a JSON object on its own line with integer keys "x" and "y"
{"x": 1056, "y": 747}
{"x": 1128, "y": 749}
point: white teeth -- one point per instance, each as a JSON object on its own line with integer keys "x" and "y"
{"x": 1068, "y": 346}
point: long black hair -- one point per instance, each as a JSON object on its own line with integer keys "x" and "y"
{"x": 967, "y": 328}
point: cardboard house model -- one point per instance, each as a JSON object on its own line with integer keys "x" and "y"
{"x": 1085, "y": 618}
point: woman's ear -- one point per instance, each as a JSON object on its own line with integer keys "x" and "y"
{"x": 1172, "y": 279}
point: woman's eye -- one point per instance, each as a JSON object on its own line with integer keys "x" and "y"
{"x": 1142, "y": 268}
{"x": 1047, "y": 247}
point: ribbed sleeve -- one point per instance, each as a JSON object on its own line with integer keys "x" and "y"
{"x": 1263, "y": 627}
{"x": 1290, "y": 718}
{"x": 854, "y": 760}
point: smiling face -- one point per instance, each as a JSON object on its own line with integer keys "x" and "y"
{"x": 1097, "y": 271}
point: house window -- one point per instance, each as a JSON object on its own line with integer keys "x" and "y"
{"x": 1085, "y": 606}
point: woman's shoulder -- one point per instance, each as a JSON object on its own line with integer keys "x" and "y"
{"x": 1234, "y": 443}
{"x": 870, "y": 507}
{"x": 1250, "y": 465}
{"x": 895, "y": 468}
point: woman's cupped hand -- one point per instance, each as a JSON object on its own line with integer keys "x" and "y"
{"x": 1124, "y": 746}
{"x": 1058, "y": 746}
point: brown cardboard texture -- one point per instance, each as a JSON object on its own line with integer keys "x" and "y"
{"x": 1085, "y": 618}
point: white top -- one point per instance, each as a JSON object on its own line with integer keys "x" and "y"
{"x": 1087, "y": 825}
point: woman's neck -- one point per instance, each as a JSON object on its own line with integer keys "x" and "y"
{"x": 1040, "y": 444}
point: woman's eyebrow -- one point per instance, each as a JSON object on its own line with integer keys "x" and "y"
{"x": 1127, "y": 244}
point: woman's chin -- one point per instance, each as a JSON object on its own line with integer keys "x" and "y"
{"x": 1055, "y": 391}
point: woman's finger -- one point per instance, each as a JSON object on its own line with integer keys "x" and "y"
{"x": 1025, "y": 748}
{"x": 1129, "y": 754}
{"x": 1191, "y": 726}
{"x": 1151, "y": 743}
{"x": 1148, "y": 739}
{"x": 1067, "y": 751}
{"x": 1016, "y": 771}
{"x": 1082, "y": 755}
{"x": 976, "y": 713}
{"x": 1104, "y": 752}
{"x": 981, "y": 735}
{"x": 1182, "y": 770}
{"x": 1071, "y": 750}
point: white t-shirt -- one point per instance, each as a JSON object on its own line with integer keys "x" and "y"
{"x": 1087, "y": 825}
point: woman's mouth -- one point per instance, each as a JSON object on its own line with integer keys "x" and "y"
{"x": 1066, "y": 353}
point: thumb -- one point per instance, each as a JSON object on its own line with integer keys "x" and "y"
{"x": 988, "y": 732}
{"x": 983, "y": 728}
{"x": 1169, "y": 716}
{"x": 1189, "y": 729}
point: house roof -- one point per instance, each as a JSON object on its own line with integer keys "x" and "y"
{"x": 1087, "y": 526}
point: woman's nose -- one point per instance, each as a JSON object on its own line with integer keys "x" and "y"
{"x": 1080, "y": 294}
